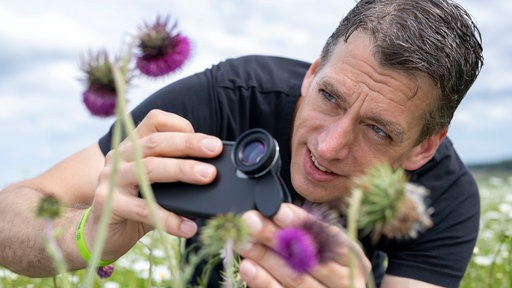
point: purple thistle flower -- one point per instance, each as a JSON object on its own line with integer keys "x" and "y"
{"x": 298, "y": 248}
{"x": 105, "y": 271}
{"x": 100, "y": 95}
{"x": 162, "y": 51}
{"x": 312, "y": 242}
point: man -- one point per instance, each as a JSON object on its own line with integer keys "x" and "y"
{"x": 384, "y": 89}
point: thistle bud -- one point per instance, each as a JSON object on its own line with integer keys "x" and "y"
{"x": 390, "y": 205}
{"x": 222, "y": 229}
{"x": 413, "y": 215}
{"x": 105, "y": 271}
{"x": 100, "y": 94}
{"x": 49, "y": 207}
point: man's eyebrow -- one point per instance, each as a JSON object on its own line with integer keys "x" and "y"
{"x": 334, "y": 91}
{"x": 395, "y": 130}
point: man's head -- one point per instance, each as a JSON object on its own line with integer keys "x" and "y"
{"x": 384, "y": 90}
{"x": 434, "y": 38}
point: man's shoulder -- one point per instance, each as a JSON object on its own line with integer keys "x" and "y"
{"x": 263, "y": 71}
{"x": 455, "y": 204}
{"x": 265, "y": 61}
{"x": 453, "y": 190}
{"x": 444, "y": 168}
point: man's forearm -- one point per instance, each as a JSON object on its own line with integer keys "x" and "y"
{"x": 22, "y": 241}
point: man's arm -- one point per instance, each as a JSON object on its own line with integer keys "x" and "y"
{"x": 73, "y": 182}
{"x": 82, "y": 180}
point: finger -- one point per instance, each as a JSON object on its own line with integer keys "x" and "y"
{"x": 362, "y": 265}
{"x": 255, "y": 276}
{"x": 159, "y": 170}
{"x": 173, "y": 144}
{"x": 273, "y": 269}
{"x": 348, "y": 248}
{"x": 264, "y": 231}
{"x": 261, "y": 228}
{"x": 290, "y": 215}
{"x": 333, "y": 274}
{"x": 161, "y": 121}
{"x": 137, "y": 210}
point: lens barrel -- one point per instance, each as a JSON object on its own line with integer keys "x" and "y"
{"x": 255, "y": 152}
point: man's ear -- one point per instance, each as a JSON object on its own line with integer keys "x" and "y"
{"x": 309, "y": 76}
{"x": 424, "y": 151}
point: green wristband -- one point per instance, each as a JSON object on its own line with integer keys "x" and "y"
{"x": 80, "y": 241}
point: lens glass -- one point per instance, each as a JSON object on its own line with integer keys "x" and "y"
{"x": 252, "y": 153}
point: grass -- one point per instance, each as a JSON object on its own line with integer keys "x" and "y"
{"x": 143, "y": 266}
{"x": 490, "y": 266}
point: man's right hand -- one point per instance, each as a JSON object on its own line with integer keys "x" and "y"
{"x": 166, "y": 141}
{"x": 83, "y": 179}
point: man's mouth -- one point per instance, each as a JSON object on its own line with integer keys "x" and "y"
{"x": 317, "y": 165}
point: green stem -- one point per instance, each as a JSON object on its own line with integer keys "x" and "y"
{"x": 54, "y": 251}
{"x": 509, "y": 262}
{"x": 144, "y": 184}
{"x": 107, "y": 208}
{"x": 189, "y": 265}
{"x": 491, "y": 269}
{"x": 125, "y": 121}
{"x": 352, "y": 228}
{"x": 150, "y": 259}
{"x": 229, "y": 265}
{"x": 353, "y": 210}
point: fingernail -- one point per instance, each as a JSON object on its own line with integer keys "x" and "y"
{"x": 246, "y": 246}
{"x": 284, "y": 216}
{"x": 188, "y": 227}
{"x": 204, "y": 171}
{"x": 211, "y": 144}
{"x": 247, "y": 270}
{"x": 253, "y": 222}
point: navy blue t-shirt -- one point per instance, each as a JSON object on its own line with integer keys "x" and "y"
{"x": 261, "y": 92}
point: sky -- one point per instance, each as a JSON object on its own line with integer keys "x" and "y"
{"x": 43, "y": 119}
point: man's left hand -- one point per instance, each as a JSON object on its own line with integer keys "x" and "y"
{"x": 262, "y": 266}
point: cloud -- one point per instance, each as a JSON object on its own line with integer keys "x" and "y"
{"x": 493, "y": 19}
{"x": 44, "y": 120}
{"x": 480, "y": 129}
{"x": 484, "y": 114}
{"x": 48, "y": 34}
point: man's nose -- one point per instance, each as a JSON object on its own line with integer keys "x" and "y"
{"x": 336, "y": 139}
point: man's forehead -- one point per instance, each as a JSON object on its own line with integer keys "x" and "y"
{"x": 359, "y": 47}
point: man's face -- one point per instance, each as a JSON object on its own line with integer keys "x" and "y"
{"x": 353, "y": 113}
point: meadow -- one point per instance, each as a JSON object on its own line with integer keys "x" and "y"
{"x": 490, "y": 266}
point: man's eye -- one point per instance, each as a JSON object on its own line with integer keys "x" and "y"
{"x": 328, "y": 96}
{"x": 379, "y": 132}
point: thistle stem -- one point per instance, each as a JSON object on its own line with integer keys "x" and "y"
{"x": 107, "y": 208}
{"x": 55, "y": 252}
{"x": 353, "y": 210}
{"x": 144, "y": 184}
{"x": 229, "y": 268}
